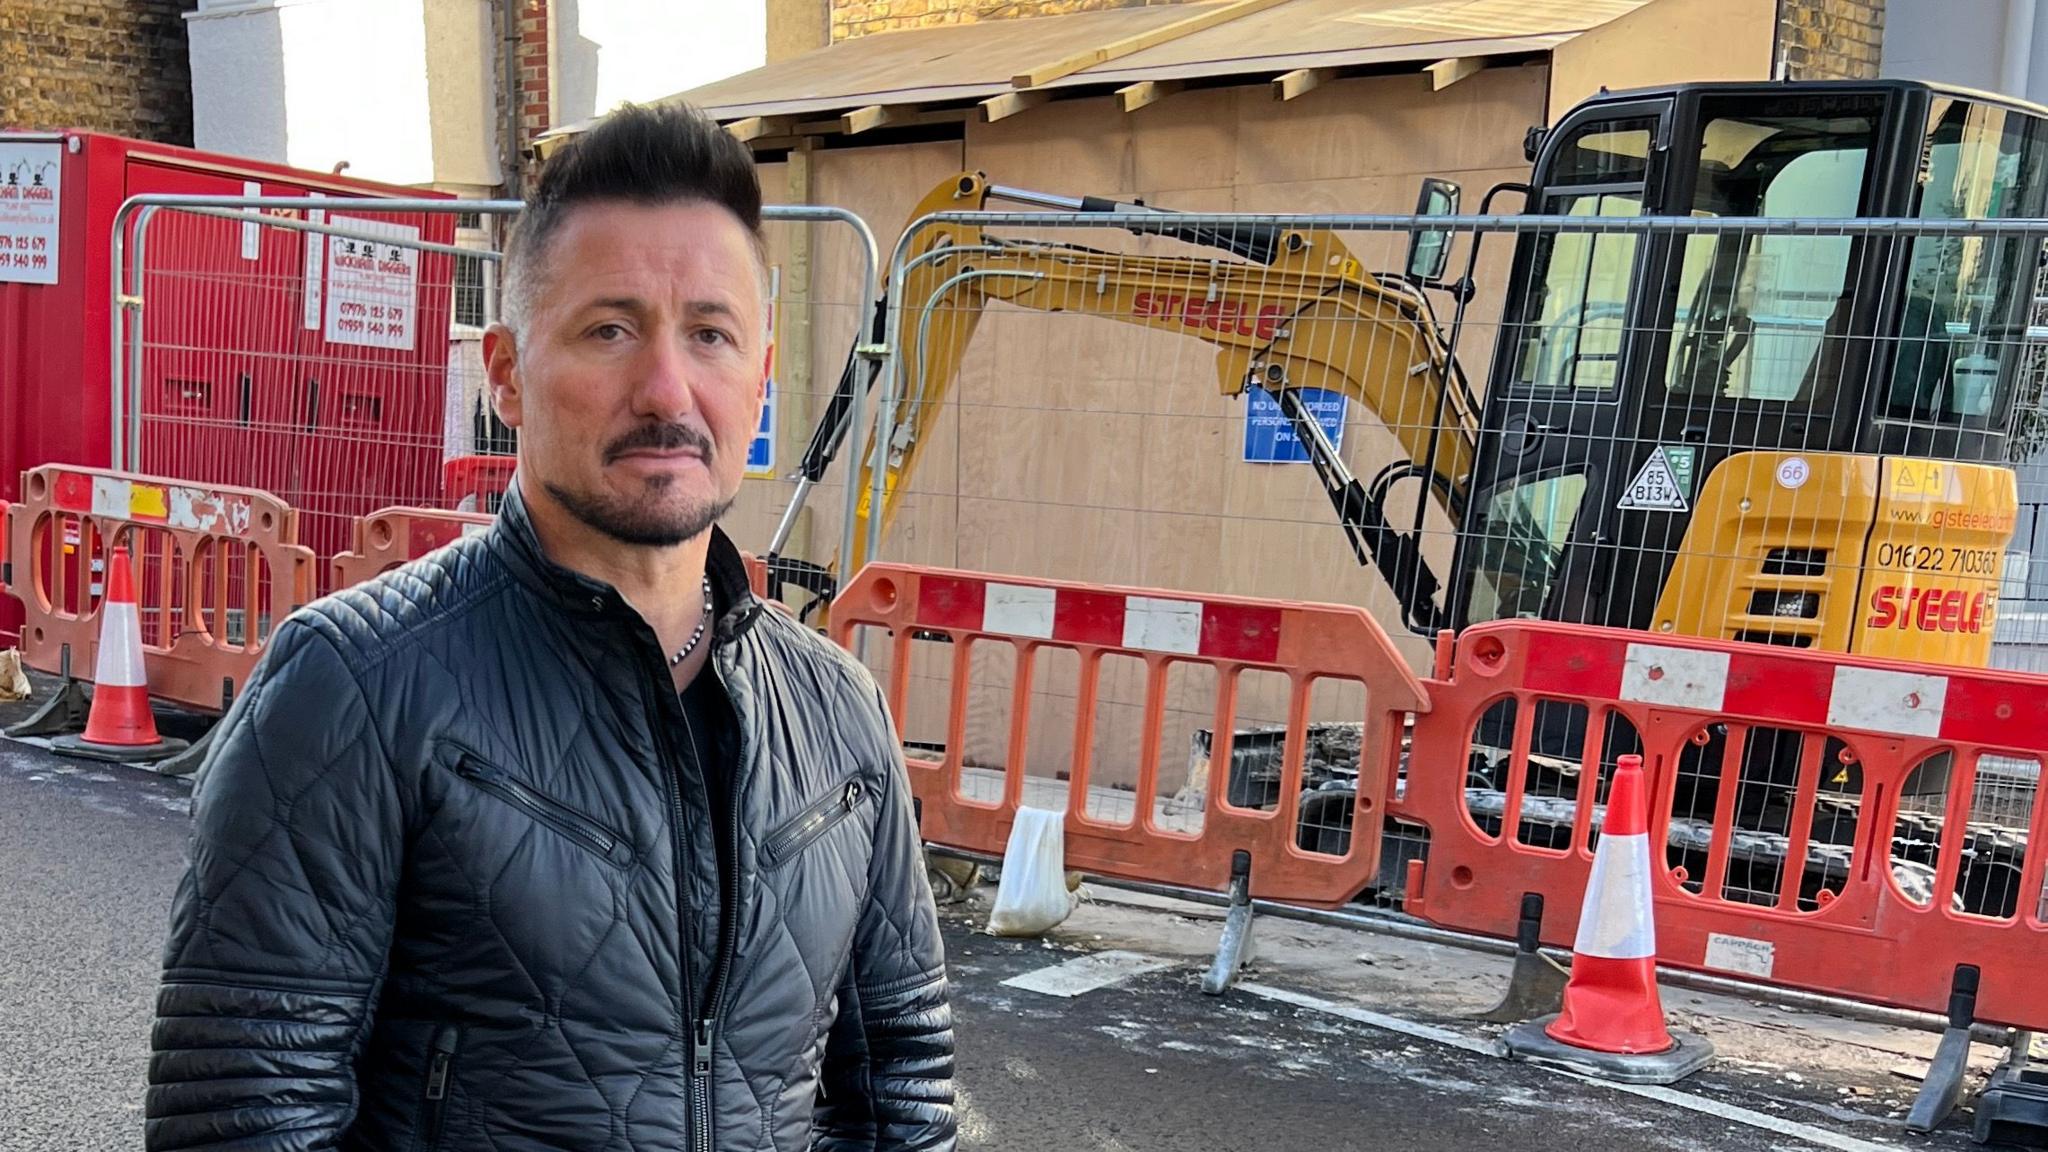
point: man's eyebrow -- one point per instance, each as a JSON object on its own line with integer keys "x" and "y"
{"x": 616, "y": 304}
{"x": 638, "y": 307}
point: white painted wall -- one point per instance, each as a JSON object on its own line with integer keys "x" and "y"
{"x": 238, "y": 80}
{"x": 609, "y": 51}
{"x": 1964, "y": 42}
{"x": 402, "y": 90}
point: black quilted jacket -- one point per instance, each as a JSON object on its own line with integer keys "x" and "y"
{"x": 454, "y": 886}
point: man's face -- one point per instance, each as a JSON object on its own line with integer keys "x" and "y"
{"x": 638, "y": 382}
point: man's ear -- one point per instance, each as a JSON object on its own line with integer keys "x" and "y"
{"x": 501, "y": 369}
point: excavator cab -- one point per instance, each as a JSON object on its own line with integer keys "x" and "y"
{"x": 1657, "y": 402}
{"x": 1794, "y": 436}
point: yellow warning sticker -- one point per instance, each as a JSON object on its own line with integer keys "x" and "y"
{"x": 1923, "y": 478}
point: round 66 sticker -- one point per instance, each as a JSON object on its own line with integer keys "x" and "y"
{"x": 1793, "y": 471}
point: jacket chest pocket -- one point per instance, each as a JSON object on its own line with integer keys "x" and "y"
{"x": 820, "y": 816}
{"x": 555, "y": 814}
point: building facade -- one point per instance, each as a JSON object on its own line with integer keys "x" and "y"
{"x": 116, "y": 66}
{"x": 448, "y": 93}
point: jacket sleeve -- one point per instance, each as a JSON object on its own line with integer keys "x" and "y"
{"x": 887, "y": 1075}
{"x": 280, "y": 925}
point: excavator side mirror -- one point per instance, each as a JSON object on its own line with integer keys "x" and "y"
{"x": 1429, "y": 250}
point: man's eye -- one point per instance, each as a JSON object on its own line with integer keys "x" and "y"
{"x": 712, "y": 336}
{"x": 609, "y": 332}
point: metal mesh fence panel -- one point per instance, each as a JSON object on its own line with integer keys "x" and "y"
{"x": 1813, "y": 433}
{"x": 333, "y": 355}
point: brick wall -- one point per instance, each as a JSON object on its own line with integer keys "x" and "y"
{"x": 116, "y": 66}
{"x": 852, "y": 18}
{"x": 535, "y": 115}
{"x": 1830, "y": 39}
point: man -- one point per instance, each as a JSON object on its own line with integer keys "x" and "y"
{"x": 558, "y": 838}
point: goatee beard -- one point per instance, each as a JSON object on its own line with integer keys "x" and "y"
{"x": 641, "y": 527}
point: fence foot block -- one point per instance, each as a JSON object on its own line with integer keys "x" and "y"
{"x": 1236, "y": 945}
{"x": 1688, "y": 1054}
{"x": 63, "y": 712}
{"x": 186, "y": 762}
{"x": 1943, "y": 1088}
{"x": 2013, "y": 1108}
{"x": 1536, "y": 986}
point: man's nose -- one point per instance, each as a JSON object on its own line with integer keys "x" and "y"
{"x": 663, "y": 388}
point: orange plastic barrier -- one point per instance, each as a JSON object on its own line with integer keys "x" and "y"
{"x": 220, "y": 567}
{"x": 389, "y": 537}
{"x": 10, "y": 634}
{"x": 1846, "y": 826}
{"x": 972, "y": 807}
{"x": 482, "y": 477}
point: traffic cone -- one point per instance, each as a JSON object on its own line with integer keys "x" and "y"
{"x": 120, "y": 695}
{"x": 1612, "y": 1024}
{"x": 120, "y": 725}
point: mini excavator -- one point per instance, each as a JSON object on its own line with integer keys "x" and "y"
{"x": 1655, "y": 400}
{"x": 1796, "y": 437}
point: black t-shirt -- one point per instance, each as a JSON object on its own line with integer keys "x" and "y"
{"x": 711, "y": 740}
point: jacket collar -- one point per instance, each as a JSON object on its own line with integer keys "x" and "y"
{"x": 515, "y": 540}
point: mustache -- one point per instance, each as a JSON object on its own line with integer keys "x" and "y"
{"x": 661, "y": 438}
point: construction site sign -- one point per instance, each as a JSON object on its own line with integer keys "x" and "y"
{"x": 372, "y": 288}
{"x": 1663, "y": 483}
{"x": 1269, "y": 436}
{"x": 31, "y": 203}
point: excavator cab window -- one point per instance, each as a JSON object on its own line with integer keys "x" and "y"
{"x": 1520, "y": 540}
{"x": 1579, "y": 281}
{"x": 1755, "y": 309}
{"x": 1962, "y": 329}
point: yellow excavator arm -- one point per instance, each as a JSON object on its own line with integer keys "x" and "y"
{"x": 1301, "y": 313}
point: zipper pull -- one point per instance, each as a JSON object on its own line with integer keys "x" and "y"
{"x": 700, "y": 1047}
{"x": 437, "y": 1073}
{"x": 852, "y": 794}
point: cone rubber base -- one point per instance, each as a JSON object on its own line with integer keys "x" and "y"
{"x": 1688, "y": 1054}
{"x": 75, "y": 745}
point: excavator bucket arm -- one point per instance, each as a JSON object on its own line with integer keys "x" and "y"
{"x": 1298, "y": 311}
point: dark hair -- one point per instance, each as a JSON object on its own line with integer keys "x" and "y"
{"x": 639, "y": 154}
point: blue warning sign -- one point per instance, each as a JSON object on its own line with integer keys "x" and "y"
{"x": 1269, "y": 436}
{"x": 761, "y": 450}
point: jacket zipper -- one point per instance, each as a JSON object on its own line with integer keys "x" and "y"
{"x": 820, "y": 818}
{"x": 671, "y": 782}
{"x": 441, "y": 1054}
{"x": 707, "y": 1026}
{"x": 705, "y": 1032}
{"x": 546, "y": 809}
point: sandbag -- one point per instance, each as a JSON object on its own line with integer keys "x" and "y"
{"x": 13, "y": 681}
{"x": 1033, "y": 895}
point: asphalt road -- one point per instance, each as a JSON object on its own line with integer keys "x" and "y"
{"x": 90, "y": 855}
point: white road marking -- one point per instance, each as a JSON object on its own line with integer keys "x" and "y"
{"x": 1377, "y": 1020}
{"x": 1741, "y": 1115}
{"x": 1087, "y": 973}
{"x": 1672, "y": 1096}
